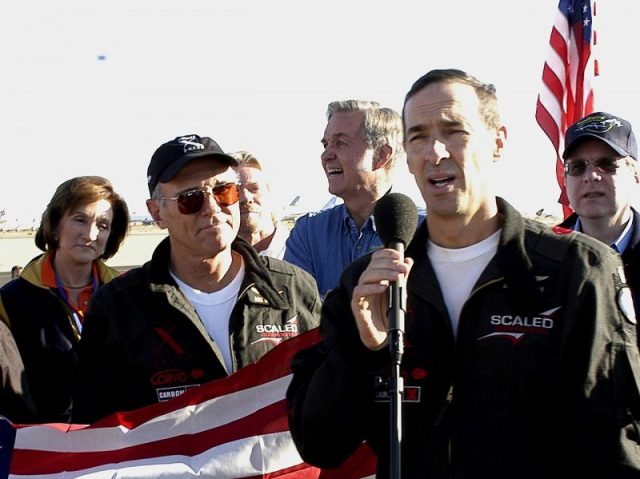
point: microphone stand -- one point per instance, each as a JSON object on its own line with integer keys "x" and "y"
{"x": 395, "y": 313}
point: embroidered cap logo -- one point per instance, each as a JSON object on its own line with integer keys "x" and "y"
{"x": 599, "y": 124}
{"x": 190, "y": 143}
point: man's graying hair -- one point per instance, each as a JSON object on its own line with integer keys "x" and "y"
{"x": 381, "y": 126}
{"x": 244, "y": 158}
{"x": 486, "y": 92}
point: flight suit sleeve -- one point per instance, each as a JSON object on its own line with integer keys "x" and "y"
{"x": 330, "y": 398}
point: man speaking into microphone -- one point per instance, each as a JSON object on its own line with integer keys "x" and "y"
{"x": 520, "y": 352}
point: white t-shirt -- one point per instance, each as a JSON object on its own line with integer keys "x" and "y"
{"x": 458, "y": 270}
{"x": 214, "y": 310}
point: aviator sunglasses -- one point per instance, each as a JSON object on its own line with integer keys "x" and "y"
{"x": 604, "y": 166}
{"x": 191, "y": 201}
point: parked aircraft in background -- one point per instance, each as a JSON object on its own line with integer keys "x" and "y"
{"x": 298, "y": 207}
{"x": 136, "y": 219}
{"x": 17, "y": 224}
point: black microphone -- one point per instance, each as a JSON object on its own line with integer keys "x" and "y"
{"x": 396, "y": 218}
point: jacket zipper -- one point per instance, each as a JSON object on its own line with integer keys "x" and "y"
{"x": 449, "y": 398}
{"x": 234, "y": 364}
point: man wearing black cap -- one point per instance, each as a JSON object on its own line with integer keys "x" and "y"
{"x": 204, "y": 306}
{"x": 601, "y": 175}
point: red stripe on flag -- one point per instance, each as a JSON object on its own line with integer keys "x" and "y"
{"x": 267, "y": 420}
{"x": 559, "y": 45}
{"x": 548, "y": 124}
{"x": 553, "y": 83}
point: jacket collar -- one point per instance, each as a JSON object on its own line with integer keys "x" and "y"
{"x": 632, "y": 249}
{"x": 32, "y": 272}
{"x": 511, "y": 263}
{"x": 257, "y": 280}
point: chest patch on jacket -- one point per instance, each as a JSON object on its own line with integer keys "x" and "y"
{"x": 276, "y": 333}
{"x": 514, "y": 327}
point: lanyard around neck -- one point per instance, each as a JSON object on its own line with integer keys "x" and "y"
{"x": 78, "y": 315}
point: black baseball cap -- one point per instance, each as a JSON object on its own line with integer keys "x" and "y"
{"x": 170, "y": 157}
{"x": 613, "y": 130}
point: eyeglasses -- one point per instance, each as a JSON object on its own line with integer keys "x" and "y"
{"x": 192, "y": 201}
{"x": 604, "y": 166}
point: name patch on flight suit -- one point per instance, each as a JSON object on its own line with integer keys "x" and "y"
{"x": 164, "y": 394}
{"x": 409, "y": 393}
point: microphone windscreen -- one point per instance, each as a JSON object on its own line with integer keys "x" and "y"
{"x": 396, "y": 218}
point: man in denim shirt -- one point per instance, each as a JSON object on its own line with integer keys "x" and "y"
{"x": 362, "y": 144}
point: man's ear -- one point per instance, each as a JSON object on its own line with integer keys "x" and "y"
{"x": 501, "y": 139}
{"x": 153, "y": 206}
{"x": 382, "y": 156}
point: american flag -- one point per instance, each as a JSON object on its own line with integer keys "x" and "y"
{"x": 231, "y": 428}
{"x": 567, "y": 78}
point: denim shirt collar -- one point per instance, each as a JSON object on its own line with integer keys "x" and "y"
{"x": 621, "y": 243}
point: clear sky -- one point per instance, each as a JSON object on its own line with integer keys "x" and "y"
{"x": 94, "y": 87}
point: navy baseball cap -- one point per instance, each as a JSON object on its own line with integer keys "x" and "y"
{"x": 170, "y": 157}
{"x": 612, "y": 130}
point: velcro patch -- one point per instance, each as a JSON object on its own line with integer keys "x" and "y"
{"x": 625, "y": 303}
